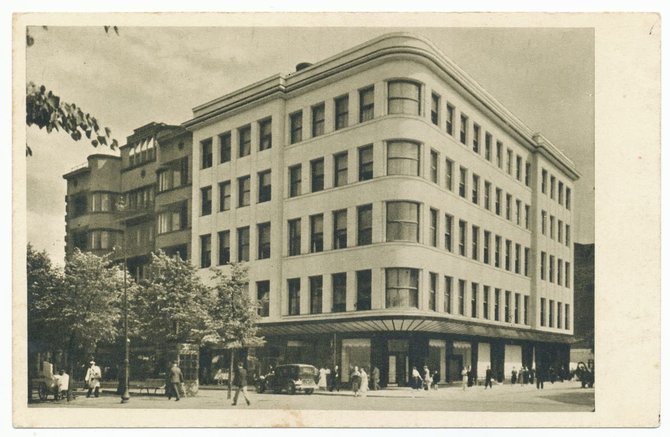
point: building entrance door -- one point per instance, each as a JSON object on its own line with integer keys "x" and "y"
{"x": 398, "y": 364}
{"x": 454, "y": 367}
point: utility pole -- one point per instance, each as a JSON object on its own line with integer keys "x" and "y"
{"x": 125, "y": 397}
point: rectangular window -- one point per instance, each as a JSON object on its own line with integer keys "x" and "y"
{"x": 486, "y": 298}
{"x": 517, "y": 258}
{"x": 448, "y": 232}
{"x": 433, "y": 227}
{"x": 461, "y": 237}
{"x": 448, "y": 284}
{"x": 365, "y": 162}
{"x": 341, "y": 112}
{"x": 526, "y": 301}
{"x": 315, "y": 294}
{"x": 488, "y": 141}
{"x": 496, "y": 305}
{"x": 567, "y": 203}
{"x": 402, "y": 158}
{"x": 526, "y": 258}
{"x": 496, "y": 256}
{"x": 363, "y": 290}
{"x": 476, "y": 132}
{"x": 463, "y": 174}
{"x": 263, "y": 297}
{"x": 265, "y": 134}
{"x": 206, "y": 200}
{"x": 499, "y": 154}
{"x": 243, "y": 244}
{"x": 508, "y": 298}
{"x": 264, "y": 234}
{"x": 527, "y": 215}
{"x": 543, "y": 265}
{"x": 544, "y": 181}
{"x": 543, "y": 311}
{"x": 205, "y": 251}
{"x": 551, "y": 313}
{"x": 318, "y": 119}
{"x": 294, "y": 237}
{"x": 508, "y": 207}
{"x": 487, "y": 195}
{"x": 264, "y": 186}
{"x": 508, "y": 254}
{"x": 519, "y": 167}
{"x": 206, "y": 153}
{"x": 461, "y": 297}
{"x": 498, "y": 201}
{"x": 339, "y": 292}
{"x": 364, "y": 224}
{"x": 464, "y": 129}
{"x": 487, "y": 247}
{"x": 551, "y": 268}
{"x": 296, "y": 127}
{"x": 402, "y": 288}
{"x": 518, "y": 212}
{"x": 316, "y": 233}
{"x": 543, "y": 222}
{"x": 404, "y": 98}
{"x": 340, "y": 229}
{"x": 295, "y": 180}
{"x": 517, "y": 303}
{"x": 366, "y": 99}
{"x": 567, "y": 235}
{"x": 224, "y": 247}
{"x": 560, "y": 195}
{"x": 567, "y": 316}
{"x": 341, "y": 161}
{"x": 559, "y": 315}
{"x": 559, "y": 272}
{"x": 293, "y": 297}
{"x": 449, "y": 174}
{"x": 244, "y": 134}
{"x": 434, "y": 109}
{"x": 475, "y": 242}
{"x": 475, "y": 189}
{"x": 316, "y": 167}
{"x": 434, "y": 158}
{"x": 559, "y": 231}
{"x": 567, "y": 274}
{"x": 473, "y": 299}
{"x": 225, "y": 148}
{"x": 243, "y": 191}
{"x": 528, "y": 170}
{"x": 551, "y": 226}
{"x": 552, "y": 186}
{"x": 450, "y": 119}
{"x": 402, "y": 221}
{"x": 432, "y": 292}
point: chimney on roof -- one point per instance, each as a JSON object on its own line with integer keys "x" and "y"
{"x": 302, "y": 66}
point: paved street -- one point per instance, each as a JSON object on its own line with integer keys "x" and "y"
{"x": 558, "y": 397}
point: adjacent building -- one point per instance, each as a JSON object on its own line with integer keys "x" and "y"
{"x": 391, "y": 212}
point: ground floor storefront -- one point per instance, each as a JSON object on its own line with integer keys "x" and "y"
{"x": 396, "y": 351}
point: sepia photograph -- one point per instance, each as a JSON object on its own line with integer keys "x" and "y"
{"x": 270, "y": 218}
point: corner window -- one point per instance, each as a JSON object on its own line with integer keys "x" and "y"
{"x": 402, "y": 288}
{"x": 402, "y": 221}
{"x": 404, "y": 98}
{"x": 403, "y": 158}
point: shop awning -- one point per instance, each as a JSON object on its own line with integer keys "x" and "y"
{"x": 378, "y": 321}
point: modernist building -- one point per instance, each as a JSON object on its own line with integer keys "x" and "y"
{"x": 391, "y": 212}
{"x": 146, "y": 193}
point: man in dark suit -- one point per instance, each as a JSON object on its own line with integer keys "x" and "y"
{"x": 176, "y": 379}
{"x": 240, "y": 382}
{"x": 335, "y": 379}
{"x": 488, "y": 382}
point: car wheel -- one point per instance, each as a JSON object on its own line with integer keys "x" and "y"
{"x": 309, "y": 391}
{"x": 291, "y": 388}
{"x": 42, "y": 391}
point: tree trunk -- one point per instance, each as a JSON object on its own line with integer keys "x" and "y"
{"x": 230, "y": 374}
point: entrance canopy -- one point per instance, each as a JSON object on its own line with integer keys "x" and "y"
{"x": 406, "y": 323}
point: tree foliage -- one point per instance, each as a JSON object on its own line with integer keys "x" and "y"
{"x": 234, "y": 315}
{"x": 45, "y": 282}
{"x": 173, "y": 305}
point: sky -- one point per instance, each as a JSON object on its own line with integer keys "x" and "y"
{"x": 544, "y": 76}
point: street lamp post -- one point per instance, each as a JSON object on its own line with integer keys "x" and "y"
{"x": 125, "y": 397}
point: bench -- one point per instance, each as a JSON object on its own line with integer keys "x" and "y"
{"x": 154, "y": 384}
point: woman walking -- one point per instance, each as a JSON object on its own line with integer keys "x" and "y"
{"x": 364, "y": 382}
{"x": 355, "y": 381}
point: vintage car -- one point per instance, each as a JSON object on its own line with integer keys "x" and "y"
{"x": 291, "y": 378}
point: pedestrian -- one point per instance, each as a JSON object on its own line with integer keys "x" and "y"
{"x": 416, "y": 379}
{"x": 488, "y": 379}
{"x": 471, "y": 377}
{"x": 531, "y": 375}
{"x": 436, "y": 379}
{"x": 427, "y": 378}
{"x": 335, "y": 379}
{"x": 92, "y": 379}
{"x": 514, "y": 374}
{"x": 355, "y": 381}
{"x": 176, "y": 378}
{"x": 375, "y": 378}
{"x": 464, "y": 377}
{"x": 219, "y": 377}
{"x": 539, "y": 378}
{"x": 364, "y": 382}
{"x": 63, "y": 385}
{"x": 240, "y": 382}
{"x": 323, "y": 378}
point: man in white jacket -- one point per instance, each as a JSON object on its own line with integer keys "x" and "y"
{"x": 93, "y": 376}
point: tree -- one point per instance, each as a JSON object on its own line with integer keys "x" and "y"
{"x": 234, "y": 314}
{"x": 173, "y": 306}
{"x": 46, "y": 110}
